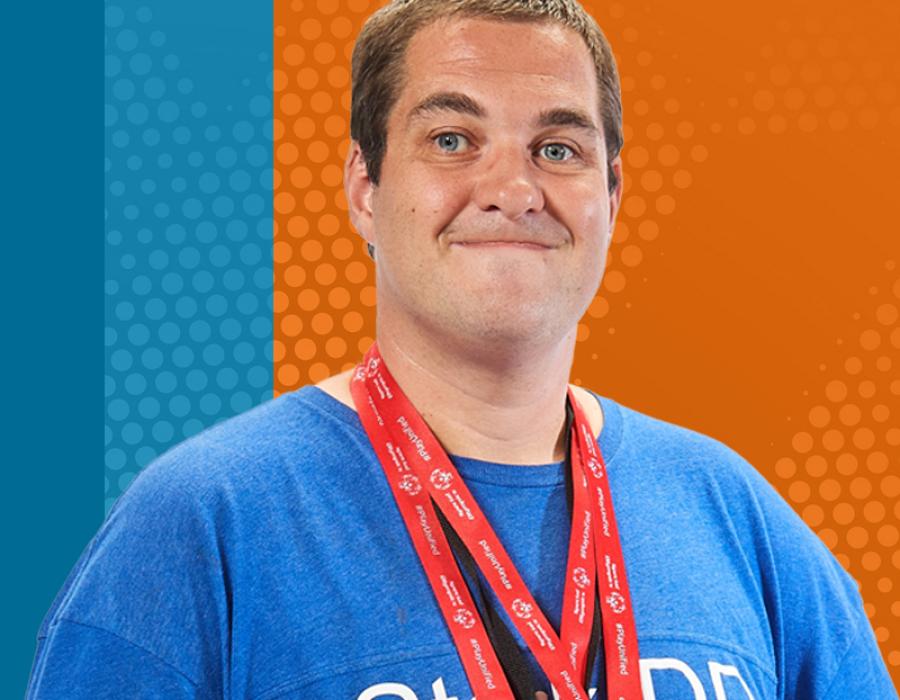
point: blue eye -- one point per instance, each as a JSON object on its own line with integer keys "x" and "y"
{"x": 451, "y": 142}
{"x": 557, "y": 152}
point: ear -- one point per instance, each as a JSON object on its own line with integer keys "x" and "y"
{"x": 615, "y": 197}
{"x": 359, "y": 189}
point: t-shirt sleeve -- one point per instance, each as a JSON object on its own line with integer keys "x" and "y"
{"x": 80, "y": 662}
{"x": 145, "y": 612}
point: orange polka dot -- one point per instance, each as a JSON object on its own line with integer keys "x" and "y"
{"x": 364, "y": 343}
{"x": 829, "y": 537}
{"x": 887, "y": 536}
{"x": 860, "y": 488}
{"x": 304, "y": 128}
{"x": 890, "y": 486}
{"x": 288, "y": 375}
{"x": 338, "y": 76}
{"x": 318, "y": 371}
{"x": 648, "y": 230}
{"x": 341, "y": 248}
{"x": 638, "y": 156}
{"x": 367, "y": 296}
{"x": 813, "y": 515}
{"x": 293, "y": 54}
{"x": 866, "y": 389}
{"x": 599, "y": 307}
{"x": 847, "y": 463}
{"x": 311, "y": 250}
{"x": 335, "y": 126}
{"x": 699, "y": 153}
{"x": 668, "y": 155}
{"x": 308, "y": 299}
{"x": 634, "y": 206}
{"x": 682, "y": 179}
{"x": 843, "y": 513}
{"x": 833, "y": 440}
{"x": 325, "y": 274}
{"x": 305, "y": 349}
{"x": 286, "y": 153}
{"x": 816, "y": 465}
{"x": 836, "y": 390}
{"x": 799, "y": 492}
{"x": 280, "y": 301}
{"x": 317, "y": 151}
{"x": 614, "y": 281}
{"x": 290, "y": 103}
{"x": 869, "y": 340}
{"x": 857, "y": 537}
{"x": 746, "y": 126}
{"x": 338, "y": 298}
{"x": 294, "y": 276}
{"x": 352, "y": 321}
{"x": 356, "y": 272}
{"x": 802, "y": 442}
{"x": 322, "y": 323}
{"x": 582, "y": 332}
{"x": 301, "y": 177}
{"x": 785, "y": 467}
{"x": 341, "y": 27}
{"x": 314, "y": 201}
{"x": 819, "y": 416}
{"x": 829, "y": 489}
{"x": 328, "y": 225}
{"x": 655, "y": 131}
{"x": 849, "y": 414}
{"x": 874, "y": 512}
{"x": 651, "y": 180}
{"x": 863, "y": 438}
{"x": 631, "y": 256}
{"x": 281, "y": 252}
{"x": 665, "y": 204}
{"x": 336, "y": 347}
{"x": 278, "y": 350}
{"x": 321, "y": 103}
{"x": 284, "y": 202}
{"x": 871, "y": 561}
{"x": 298, "y": 226}
{"x": 291, "y": 325}
{"x": 880, "y": 413}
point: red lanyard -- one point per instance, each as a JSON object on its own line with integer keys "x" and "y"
{"x": 421, "y": 476}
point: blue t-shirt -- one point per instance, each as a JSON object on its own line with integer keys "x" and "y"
{"x": 265, "y": 559}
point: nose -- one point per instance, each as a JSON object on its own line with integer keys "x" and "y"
{"x": 509, "y": 185}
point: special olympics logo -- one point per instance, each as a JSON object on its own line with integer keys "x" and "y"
{"x": 360, "y": 373}
{"x": 616, "y": 602}
{"x": 410, "y": 484}
{"x": 464, "y": 618}
{"x": 522, "y": 609}
{"x": 372, "y": 367}
{"x": 595, "y": 467}
{"x": 581, "y": 578}
{"x": 441, "y": 480}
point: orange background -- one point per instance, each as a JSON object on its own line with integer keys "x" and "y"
{"x": 752, "y": 290}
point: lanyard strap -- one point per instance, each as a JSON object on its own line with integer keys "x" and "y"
{"x": 422, "y": 476}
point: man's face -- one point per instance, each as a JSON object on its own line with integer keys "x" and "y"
{"x": 492, "y": 217}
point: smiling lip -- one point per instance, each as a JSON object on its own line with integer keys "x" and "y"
{"x": 524, "y": 245}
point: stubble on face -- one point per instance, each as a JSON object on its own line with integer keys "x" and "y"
{"x": 446, "y": 227}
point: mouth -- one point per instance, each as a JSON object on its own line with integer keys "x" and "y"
{"x": 513, "y": 245}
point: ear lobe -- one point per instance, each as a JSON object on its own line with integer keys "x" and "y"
{"x": 359, "y": 189}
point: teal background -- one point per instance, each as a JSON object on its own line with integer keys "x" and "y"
{"x": 55, "y": 298}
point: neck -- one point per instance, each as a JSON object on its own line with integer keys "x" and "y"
{"x": 506, "y": 407}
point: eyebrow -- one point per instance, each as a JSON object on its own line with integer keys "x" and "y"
{"x": 463, "y": 104}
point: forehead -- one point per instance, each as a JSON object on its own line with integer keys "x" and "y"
{"x": 524, "y": 65}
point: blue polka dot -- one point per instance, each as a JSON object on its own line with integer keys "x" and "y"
{"x": 226, "y": 378}
{"x": 157, "y": 39}
{"x": 131, "y": 212}
{"x": 138, "y": 334}
{"x": 114, "y": 237}
{"x": 140, "y": 64}
{"x": 182, "y": 356}
{"x": 240, "y": 402}
{"x": 203, "y": 281}
{"x": 233, "y": 280}
{"x": 110, "y": 115}
{"x": 159, "y": 259}
{"x": 176, "y": 234}
{"x": 212, "y": 133}
{"x": 117, "y": 409}
{"x": 124, "y": 311}
{"x": 226, "y": 157}
{"x": 254, "y": 204}
{"x": 250, "y": 254}
{"x": 132, "y": 433}
{"x": 242, "y": 132}
{"x": 268, "y": 129}
{"x": 195, "y": 159}
{"x": 213, "y": 355}
{"x": 262, "y": 278}
{"x": 127, "y": 40}
{"x": 230, "y": 329}
{"x": 206, "y": 232}
{"x": 247, "y": 303}
{"x": 144, "y": 456}
{"x": 265, "y": 228}
{"x": 148, "y": 407}
{"x": 152, "y": 358}
{"x": 121, "y": 360}
{"x": 171, "y": 62}
{"x": 117, "y": 188}
{"x": 261, "y": 327}
{"x": 107, "y": 164}
{"x": 144, "y": 14}
{"x": 111, "y": 287}
{"x": 134, "y": 163}
{"x": 244, "y": 352}
{"x": 267, "y": 179}
{"x": 186, "y": 307}
{"x": 123, "y": 89}
{"x": 109, "y": 386}
{"x": 151, "y": 138}
{"x": 257, "y": 377}
{"x": 115, "y": 458}
{"x": 164, "y": 161}
{"x": 155, "y": 309}
{"x": 114, "y": 16}
{"x": 269, "y": 350}
{"x": 165, "y": 382}
{"x": 107, "y": 435}
{"x": 161, "y": 210}
{"x": 112, "y": 66}
{"x": 181, "y": 135}
{"x": 168, "y": 111}
{"x": 179, "y": 184}
{"x": 236, "y": 230}
{"x": 198, "y": 109}
{"x": 125, "y": 480}
{"x": 179, "y": 405}
{"x": 192, "y": 208}
{"x": 148, "y": 186}
{"x": 223, "y": 206}
{"x": 239, "y": 180}
{"x": 260, "y": 106}
{"x": 169, "y": 332}
{"x": 257, "y": 155}
{"x": 172, "y": 283}
{"x": 200, "y": 331}
{"x": 210, "y": 404}
{"x": 191, "y": 427}
{"x": 209, "y": 183}
{"x": 163, "y": 431}
{"x": 137, "y": 113}
{"x": 185, "y": 86}
{"x": 141, "y": 285}
{"x": 196, "y": 380}
{"x": 216, "y": 305}
{"x": 135, "y": 384}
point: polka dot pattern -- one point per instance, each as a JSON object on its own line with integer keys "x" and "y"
{"x": 321, "y": 267}
{"x": 841, "y": 473}
{"x": 188, "y": 333}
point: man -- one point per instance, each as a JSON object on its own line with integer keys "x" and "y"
{"x": 324, "y": 545}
